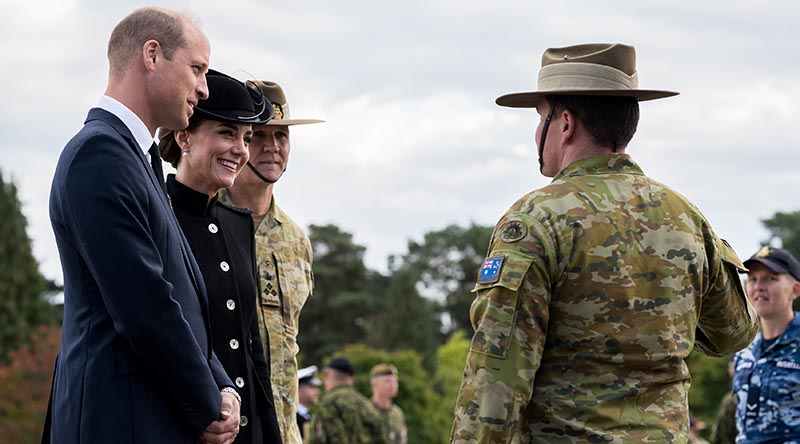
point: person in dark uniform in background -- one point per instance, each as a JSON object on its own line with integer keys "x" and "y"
{"x": 208, "y": 155}
{"x": 766, "y": 381}
{"x": 307, "y": 395}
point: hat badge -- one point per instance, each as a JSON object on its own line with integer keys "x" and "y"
{"x": 764, "y": 251}
{"x": 278, "y": 111}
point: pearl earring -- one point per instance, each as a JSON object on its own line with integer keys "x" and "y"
{"x": 185, "y": 153}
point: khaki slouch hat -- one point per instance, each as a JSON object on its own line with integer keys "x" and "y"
{"x": 592, "y": 69}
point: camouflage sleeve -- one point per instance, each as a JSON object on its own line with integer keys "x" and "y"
{"x": 727, "y": 321}
{"x": 510, "y": 316}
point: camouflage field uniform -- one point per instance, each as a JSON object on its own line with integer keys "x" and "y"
{"x": 595, "y": 289}
{"x": 345, "y": 416}
{"x": 767, "y": 387}
{"x": 724, "y": 431}
{"x": 394, "y": 422}
{"x": 284, "y": 256}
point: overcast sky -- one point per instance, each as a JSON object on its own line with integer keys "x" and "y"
{"x": 413, "y": 140}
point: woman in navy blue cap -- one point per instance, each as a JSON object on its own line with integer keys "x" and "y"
{"x": 767, "y": 373}
{"x": 208, "y": 155}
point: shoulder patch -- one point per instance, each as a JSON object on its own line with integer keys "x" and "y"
{"x": 490, "y": 270}
{"x": 513, "y": 231}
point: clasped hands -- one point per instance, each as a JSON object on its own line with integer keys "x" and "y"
{"x": 224, "y": 429}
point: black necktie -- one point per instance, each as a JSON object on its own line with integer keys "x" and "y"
{"x": 155, "y": 162}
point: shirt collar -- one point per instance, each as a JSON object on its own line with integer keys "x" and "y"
{"x": 611, "y": 163}
{"x": 139, "y": 130}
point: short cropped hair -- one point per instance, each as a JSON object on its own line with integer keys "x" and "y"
{"x": 143, "y": 24}
{"x": 610, "y": 120}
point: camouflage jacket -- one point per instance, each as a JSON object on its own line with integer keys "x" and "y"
{"x": 394, "y": 423}
{"x": 283, "y": 253}
{"x": 594, "y": 291}
{"x": 767, "y": 388}
{"x": 345, "y": 416}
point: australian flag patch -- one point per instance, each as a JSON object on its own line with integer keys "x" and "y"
{"x": 490, "y": 270}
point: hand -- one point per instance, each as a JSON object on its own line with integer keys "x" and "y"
{"x": 225, "y": 429}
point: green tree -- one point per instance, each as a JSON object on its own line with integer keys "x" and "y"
{"x": 343, "y": 306}
{"x": 406, "y": 320}
{"x": 452, "y": 357}
{"x": 22, "y": 287}
{"x": 446, "y": 263}
{"x": 786, "y": 227}
{"x": 420, "y": 402}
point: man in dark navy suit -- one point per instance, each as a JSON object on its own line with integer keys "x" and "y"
{"x": 135, "y": 364}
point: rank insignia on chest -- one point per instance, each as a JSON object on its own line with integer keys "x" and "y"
{"x": 490, "y": 270}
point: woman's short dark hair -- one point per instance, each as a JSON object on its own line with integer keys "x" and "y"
{"x": 610, "y": 120}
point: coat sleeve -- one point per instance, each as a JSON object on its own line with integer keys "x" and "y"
{"x": 727, "y": 323}
{"x": 510, "y": 316}
{"x": 107, "y": 215}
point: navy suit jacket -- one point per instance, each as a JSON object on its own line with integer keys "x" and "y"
{"x": 135, "y": 364}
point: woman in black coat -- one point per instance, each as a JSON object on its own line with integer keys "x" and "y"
{"x": 208, "y": 156}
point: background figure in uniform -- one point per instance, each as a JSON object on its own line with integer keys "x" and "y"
{"x": 208, "y": 155}
{"x": 307, "y": 396}
{"x": 767, "y": 373}
{"x": 135, "y": 364}
{"x": 695, "y": 425}
{"x": 596, "y": 287}
{"x": 383, "y": 379}
{"x": 283, "y": 252}
{"x": 344, "y": 415}
{"x": 724, "y": 429}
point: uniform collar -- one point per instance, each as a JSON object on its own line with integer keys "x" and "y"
{"x": 792, "y": 330}
{"x": 275, "y": 212}
{"x": 790, "y": 334}
{"x": 611, "y": 163}
{"x": 189, "y": 200}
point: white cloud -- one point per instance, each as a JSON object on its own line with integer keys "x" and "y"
{"x": 413, "y": 140}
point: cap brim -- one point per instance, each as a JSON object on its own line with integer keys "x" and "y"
{"x": 288, "y": 122}
{"x": 774, "y": 266}
{"x": 531, "y": 99}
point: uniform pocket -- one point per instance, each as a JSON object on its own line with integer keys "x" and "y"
{"x": 494, "y": 310}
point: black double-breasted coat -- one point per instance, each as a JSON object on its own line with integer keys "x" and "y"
{"x": 221, "y": 239}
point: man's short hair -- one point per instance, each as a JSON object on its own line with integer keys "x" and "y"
{"x": 143, "y": 24}
{"x": 611, "y": 121}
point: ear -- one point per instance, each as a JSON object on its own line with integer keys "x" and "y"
{"x": 151, "y": 54}
{"x": 567, "y": 125}
{"x": 183, "y": 138}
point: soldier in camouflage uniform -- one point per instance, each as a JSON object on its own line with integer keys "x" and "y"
{"x": 345, "y": 416}
{"x": 385, "y": 383}
{"x": 767, "y": 379}
{"x": 598, "y": 286}
{"x": 283, "y": 252}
